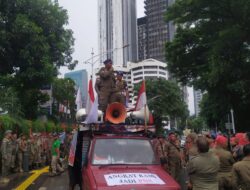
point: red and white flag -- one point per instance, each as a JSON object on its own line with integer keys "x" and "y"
{"x": 92, "y": 105}
{"x": 141, "y": 102}
{"x": 142, "y": 98}
{"x": 91, "y": 97}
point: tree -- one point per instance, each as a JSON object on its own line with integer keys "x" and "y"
{"x": 10, "y": 102}
{"x": 211, "y": 51}
{"x": 64, "y": 93}
{"x": 195, "y": 123}
{"x": 165, "y": 100}
{"x": 33, "y": 45}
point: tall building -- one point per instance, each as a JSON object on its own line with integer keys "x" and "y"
{"x": 142, "y": 38}
{"x": 159, "y": 32}
{"x": 197, "y": 100}
{"x": 117, "y": 37}
{"x": 81, "y": 80}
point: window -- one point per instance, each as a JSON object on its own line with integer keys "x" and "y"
{"x": 137, "y": 68}
{"x": 123, "y": 151}
{"x": 150, "y": 67}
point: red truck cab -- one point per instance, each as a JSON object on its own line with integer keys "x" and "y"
{"x": 126, "y": 162}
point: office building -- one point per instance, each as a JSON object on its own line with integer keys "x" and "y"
{"x": 117, "y": 37}
{"x": 142, "y": 38}
{"x": 159, "y": 32}
{"x": 197, "y": 100}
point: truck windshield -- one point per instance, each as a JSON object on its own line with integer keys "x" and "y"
{"x": 123, "y": 151}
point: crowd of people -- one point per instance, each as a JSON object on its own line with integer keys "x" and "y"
{"x": 27, "y": 152}
{"x": 216, "y": 163}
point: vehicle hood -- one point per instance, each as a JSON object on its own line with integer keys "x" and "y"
{"x": 133, "y": 178}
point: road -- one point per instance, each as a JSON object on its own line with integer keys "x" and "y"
{"x": 41, "y": 180}
{"x": 37, "y": 180}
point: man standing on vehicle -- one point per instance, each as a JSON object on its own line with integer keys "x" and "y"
{"x": 55, "y": 165}
{"x": 120, "y": 91}
{"x": 105, "y": 84}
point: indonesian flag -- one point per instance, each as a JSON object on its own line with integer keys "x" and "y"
{"x": 92, "y": 105}
{"x": 141, "y": 102}
{"x": 91, "y": 97}
{"x": 142, "y": 98}
{"x": 78, "y": 100}
{"x": 92, "y": 117}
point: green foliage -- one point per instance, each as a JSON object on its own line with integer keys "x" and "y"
{"x": 20, "y": 125}
{"x": 38, "y": 126}
{"x": 197, "y": 124}
{"x": 165, "y": 101}
{"x": 50, "y": 126}
{"x": 64, "y": 93}
{"x": 6, "y": 122}
{"x": 211, "y": 51}
{"x": 33, "y": 45}
{"x": 10, "y": 102}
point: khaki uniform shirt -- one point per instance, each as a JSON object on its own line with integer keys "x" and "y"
{"x": 203, "y": 170}
{"x": 241, "y": 174}
{"x": 6, "y": 150}
{"x": 107, "y": 80}
{"x": 226, "y": 159}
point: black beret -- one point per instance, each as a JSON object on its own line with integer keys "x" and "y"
{"x": 107, "y": 61}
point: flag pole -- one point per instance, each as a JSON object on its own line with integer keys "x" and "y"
{"x": 145, "y": 112}
{"x": 145, "y": 120}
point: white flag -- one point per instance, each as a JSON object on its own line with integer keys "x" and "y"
{"x": 92, "y": 117}
{"x": 78, "y": 100}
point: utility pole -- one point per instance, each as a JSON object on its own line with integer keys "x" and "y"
{"x": 92, "y": 62}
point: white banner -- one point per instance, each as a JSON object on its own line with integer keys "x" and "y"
{"x": 132, "y": 178}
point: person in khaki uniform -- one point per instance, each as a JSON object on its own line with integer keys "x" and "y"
{"x": 173, "y": 153}
{"x": 14, "y": 151}
{"x": 105, "y": 84}
{"x": 190, "y": 146}
{"x": 120, "y": 91}
{"x": 241, "y": 171}
{"x": 22, "y": 147}
{"x": 6, "y": 151}
{"x": 203, "y": 169}
{"x": 226, "y": 163}
{"x": 32, "y": 152}
{"x": 161, "y": 152}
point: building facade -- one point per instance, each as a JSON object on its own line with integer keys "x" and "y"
{"x": 142, "y": 38}
{"x": 117, "y": 36}
{"x": 197, "y": 99}
{"x": 159, "y": 32}
{"x": 81, "y": 80}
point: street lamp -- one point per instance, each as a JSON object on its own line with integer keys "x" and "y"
{"x": 232, "y": 116}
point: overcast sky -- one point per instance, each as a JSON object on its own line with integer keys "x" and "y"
{"x": 83, "y": 21}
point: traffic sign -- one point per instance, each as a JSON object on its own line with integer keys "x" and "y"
{"x": 228, "y": 126}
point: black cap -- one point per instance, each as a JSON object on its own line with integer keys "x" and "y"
{"x": 120, "y": 73}
{"x": 107, "y": 61}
